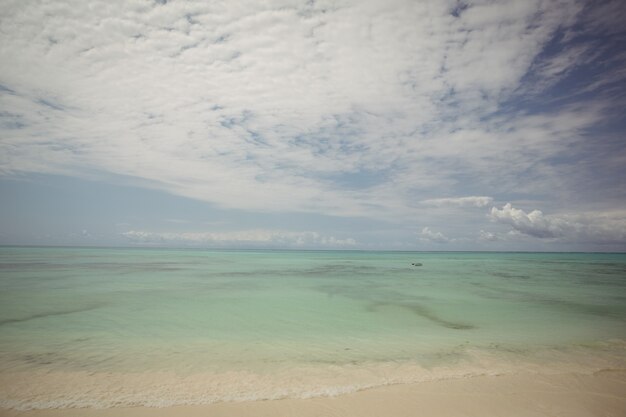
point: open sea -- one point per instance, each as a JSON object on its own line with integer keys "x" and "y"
{"x": 85, "y": 327}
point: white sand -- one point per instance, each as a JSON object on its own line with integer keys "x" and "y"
{"x": 524, "y": 395}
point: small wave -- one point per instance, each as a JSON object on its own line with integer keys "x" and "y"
{"x": 30, "y": 390}
{"x": 173, "y": 394}
{"x": 115, "y": 399}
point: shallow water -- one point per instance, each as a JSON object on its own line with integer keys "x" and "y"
{"x": 267, "y": 324}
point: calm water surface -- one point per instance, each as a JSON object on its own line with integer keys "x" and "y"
{"x": 197, "y": 313}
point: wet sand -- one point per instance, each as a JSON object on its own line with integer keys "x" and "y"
{"x": 525, "y": 395}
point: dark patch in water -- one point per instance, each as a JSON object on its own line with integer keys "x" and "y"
{"x": 39, "y": 358}
{"x": 82, "y": 339}
{"x": 30, "y": 265}
{"x": 565, "y": 305}
{"x": 104, "y": 266}
{"x": 324, "y": 271}
{"x": 47, "y": 314}
{"x": 508, "y": 275}
{"x": 425, "y": 313}
{"x": 240, "y": 285}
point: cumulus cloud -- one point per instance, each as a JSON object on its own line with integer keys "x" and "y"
{"x": 428, "y": 235}
{"x": 472, "y": 201}
{"x": 239, "y": 238}
{"x": 600, "y": 228}
{"x": 533, "y": 223}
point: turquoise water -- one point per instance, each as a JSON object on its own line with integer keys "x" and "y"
{"x": 252, "y": 318}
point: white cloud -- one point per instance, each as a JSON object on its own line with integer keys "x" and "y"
{"x": 487, "y": 236}
{"x": 270, "y": 106}
{"x": 239, "y": 238}
{"x": 472, "y": 201}
{"x": 428, "y": 235}
{"x": 599, "y": 228}
{"x": 533, "y": 224}
{"x": 256, "y": 105}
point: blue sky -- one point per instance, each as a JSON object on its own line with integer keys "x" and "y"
{"x": 409, "y": 125}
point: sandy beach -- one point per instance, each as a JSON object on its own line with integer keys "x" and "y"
{"x": 599, "y": 394}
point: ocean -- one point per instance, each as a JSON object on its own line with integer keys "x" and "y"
{"x": 99, "y": 327}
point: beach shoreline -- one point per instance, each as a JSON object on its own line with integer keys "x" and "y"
{"x": 154, "y": 333}
{"x": 601, "y": 393}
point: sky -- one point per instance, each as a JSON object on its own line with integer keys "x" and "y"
{"x": 349, "y": 124}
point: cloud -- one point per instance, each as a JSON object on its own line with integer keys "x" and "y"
{"x": 487, "y": 236}
{"x": 428, "y": 235}
{"x": 239, "y": 238}
{"x": 355, "y": 108}
{"x": 472, "y": 201}
{"x": 533, "y": 224}
{"x": 598, "y": 228}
